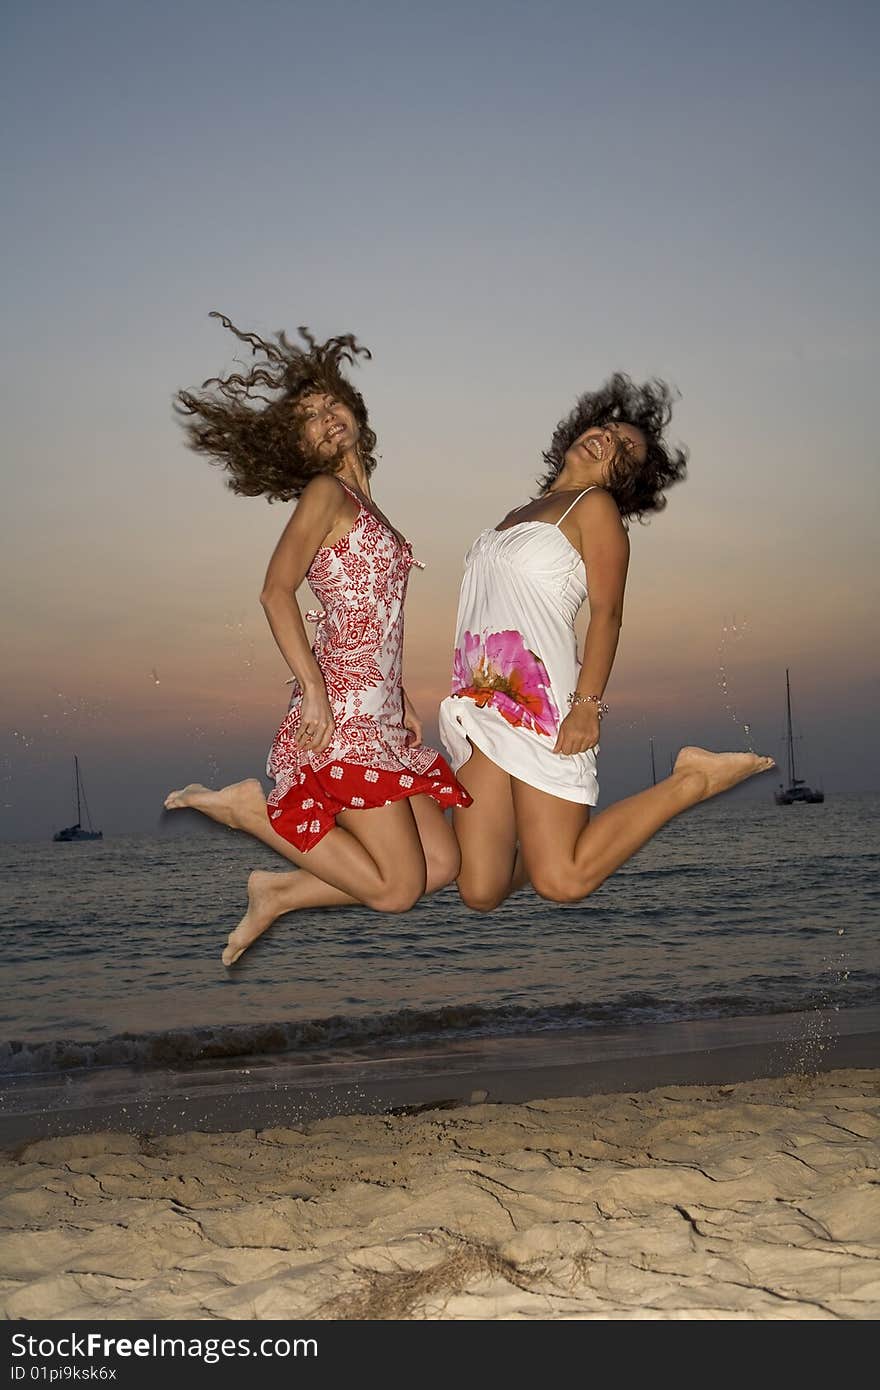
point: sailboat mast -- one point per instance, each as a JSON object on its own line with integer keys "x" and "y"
{"x": 791, "y": 770}
{"x": 76, "y": 770}
{"x": 653, "y": 768}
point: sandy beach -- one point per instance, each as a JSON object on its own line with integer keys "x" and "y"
{"x": 752, "y": 1200}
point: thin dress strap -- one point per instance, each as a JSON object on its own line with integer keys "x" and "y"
{"x": 575, "y": 502}
{"x": 351, "y": 492}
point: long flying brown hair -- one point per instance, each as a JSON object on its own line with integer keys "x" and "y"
{"x": 248, "y": 422}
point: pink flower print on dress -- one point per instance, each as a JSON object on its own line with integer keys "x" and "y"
{"x": 466, "y": 663}
{"x": 499, "y": 670}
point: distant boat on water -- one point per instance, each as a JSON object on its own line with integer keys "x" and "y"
{"x": 76, "y": 832}
{"x": 797, "y": 789}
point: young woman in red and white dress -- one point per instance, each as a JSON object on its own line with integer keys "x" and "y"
{"x": 358, "y": 799}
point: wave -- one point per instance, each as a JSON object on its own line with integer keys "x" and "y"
{"x": 182, "y": 1047}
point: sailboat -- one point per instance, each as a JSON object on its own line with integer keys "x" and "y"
{"x": 76, "y": 832}
{"x": 797, "y": 789}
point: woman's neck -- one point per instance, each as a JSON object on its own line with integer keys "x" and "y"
{"x": 354, "y": 473}
{"x": 571, "y": 479}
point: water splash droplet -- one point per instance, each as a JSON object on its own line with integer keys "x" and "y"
{"x": 731, "y": 630}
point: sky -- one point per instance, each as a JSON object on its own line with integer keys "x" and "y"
{"x": 505, "y": 202}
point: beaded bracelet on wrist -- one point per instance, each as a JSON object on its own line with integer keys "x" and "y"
{"x": 576, "y": 699}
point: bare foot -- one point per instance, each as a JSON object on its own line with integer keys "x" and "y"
{"x": 268, "y": 899}
{"x": 235, "y": 805}
{"x": 720, "y": 771}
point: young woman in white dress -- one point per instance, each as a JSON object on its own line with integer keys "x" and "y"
{"x": 522, "y": 722}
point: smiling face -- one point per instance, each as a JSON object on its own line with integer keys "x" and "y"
{"x": 328, "y": 426}
{"x": 609, "y": 444}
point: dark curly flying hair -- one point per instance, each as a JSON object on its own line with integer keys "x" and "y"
{"x": 262, "y": 448}
{"x": 637, "y": 488}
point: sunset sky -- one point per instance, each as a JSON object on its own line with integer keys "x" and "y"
{"x": 505, "y": 202}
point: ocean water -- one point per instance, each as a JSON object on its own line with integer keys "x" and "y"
{"x": 739, "y": 908}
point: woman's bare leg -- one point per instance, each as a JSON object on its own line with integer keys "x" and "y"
{"x": 240, "y": 806}
{"x": 376, "y": 859}
{"x": 568, "y": 855}
{"x": 271, "y": 895}
{"x": 491, "y": 866}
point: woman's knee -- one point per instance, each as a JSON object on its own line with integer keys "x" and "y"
{"x": 444, "y": 865}
{"x": 398, "y": 896}
{"x": 559, "y": 885}
{"x": 480, "y": 897}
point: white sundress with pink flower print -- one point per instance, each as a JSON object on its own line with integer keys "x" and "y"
{"x": 516, "y": 658}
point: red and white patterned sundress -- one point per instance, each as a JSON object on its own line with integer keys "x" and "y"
{"x": 361, "y": 582}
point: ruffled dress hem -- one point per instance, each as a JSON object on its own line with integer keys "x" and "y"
{"x": 308, "y": 810}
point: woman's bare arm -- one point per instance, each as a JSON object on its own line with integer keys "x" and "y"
{"x": 316, "y": 516}
{"x": 604, "y": 544}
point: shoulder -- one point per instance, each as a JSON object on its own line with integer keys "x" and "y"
{"x": 597, "y": 506}
{"x": 319, "y": 510}
{"x": 322, "y": 496}
{"x": 597, "y": 517}
{"x": 323, "y": 488}
{"x": 596, "y": 497}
